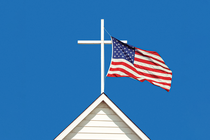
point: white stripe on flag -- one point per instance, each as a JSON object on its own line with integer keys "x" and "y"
{"x": 150, "y": 54}
{"x": 152, "y": 66}
{"x": 138, "y": 75}
{"x": 161, "y": 85}
{"x": 150, "y": 60}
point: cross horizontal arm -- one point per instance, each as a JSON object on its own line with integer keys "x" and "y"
{"x": 97, "y": 41}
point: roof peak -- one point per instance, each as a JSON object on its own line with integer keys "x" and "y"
{"x": 102, "y": 98}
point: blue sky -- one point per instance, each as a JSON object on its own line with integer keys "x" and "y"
{"x": 47, "y": 79}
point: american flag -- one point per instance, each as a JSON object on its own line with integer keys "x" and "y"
{"x": 129, "y": 61}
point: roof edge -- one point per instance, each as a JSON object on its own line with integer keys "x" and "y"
{"x": 91, "y": 107}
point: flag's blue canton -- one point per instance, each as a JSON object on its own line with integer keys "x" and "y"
{"x": 123, "y": 51}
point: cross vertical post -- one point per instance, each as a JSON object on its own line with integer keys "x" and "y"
{"x": 102, "y": 42}
{"x": 102, "y": 56}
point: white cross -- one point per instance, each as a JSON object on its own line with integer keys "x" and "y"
{"x": 102, "y": 42}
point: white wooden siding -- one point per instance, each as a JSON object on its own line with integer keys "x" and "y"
{"x": 102, "y": 124}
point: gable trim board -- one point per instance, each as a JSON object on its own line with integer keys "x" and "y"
{"x": 102, "y": 98}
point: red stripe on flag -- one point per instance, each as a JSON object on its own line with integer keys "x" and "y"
{"x": 144, "y": 55}
{"x": 151, "y": 69}
{"x": 149, "y": 62}
{"x": 138, "y": 72}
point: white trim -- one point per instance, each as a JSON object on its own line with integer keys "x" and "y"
{"x": 101, "y": 98}
{"x": 125, "y": 119}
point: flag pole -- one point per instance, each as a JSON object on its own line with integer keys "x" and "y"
{"x": 102, "y": 56}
